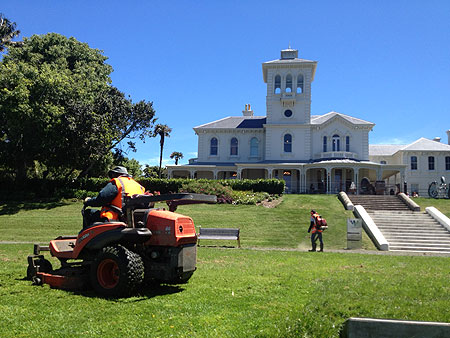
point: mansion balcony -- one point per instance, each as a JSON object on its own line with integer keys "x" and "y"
{"x": 336, "y": 154}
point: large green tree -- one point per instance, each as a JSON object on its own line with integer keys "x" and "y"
{"x": 57, "y": 107}
{"x": 8, "y": 32}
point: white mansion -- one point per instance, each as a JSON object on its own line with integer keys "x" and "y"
{"x": 312, "y": 153}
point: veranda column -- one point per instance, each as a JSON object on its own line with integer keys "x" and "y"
{"x": 328, "y": 173}
{"x": 402, "y": 180}
{"x": 379, "y": 174}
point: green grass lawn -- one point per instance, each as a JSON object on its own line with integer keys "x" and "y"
{"x": 235, "y": 293}
{"x": 442, "y": 204}
{"x": 254, "y": 291}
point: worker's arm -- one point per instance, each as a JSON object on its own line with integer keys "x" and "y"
{"x": 104, "y": 197}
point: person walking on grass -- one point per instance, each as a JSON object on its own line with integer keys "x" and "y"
{"x": 316, "y": 231}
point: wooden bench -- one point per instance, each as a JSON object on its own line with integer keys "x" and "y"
{"x": 219, "y": 233}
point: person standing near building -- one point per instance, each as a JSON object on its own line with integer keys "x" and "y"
{"x": 316, "y": 231}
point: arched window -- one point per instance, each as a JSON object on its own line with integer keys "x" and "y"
{"x": 336, "y": 143}
{"x": 324, "y": 144}
{"x": 277, "y": 86}
{"x": 213, "y": 146}
{"x": 300, "y": 83}
{"x": 254, "y": 144}
{"x": 289, "y": 83}
{"x": 288, "y": 143}
{"x": 234, "y": 146}
{"x": 347, "y": 143}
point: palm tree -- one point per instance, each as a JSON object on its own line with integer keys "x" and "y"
{"x": 8, "y": 32}
{"x": 176, "y": 155}
{"x": 163, "y": 131}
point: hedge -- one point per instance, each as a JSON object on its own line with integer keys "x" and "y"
{"x": 40, "y": 188}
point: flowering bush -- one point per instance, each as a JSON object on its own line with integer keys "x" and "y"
{"x": 249, "y": 197}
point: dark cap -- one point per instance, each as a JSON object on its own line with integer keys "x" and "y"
{"x": 313, "y": 211}
{"x": 118, "y": 171}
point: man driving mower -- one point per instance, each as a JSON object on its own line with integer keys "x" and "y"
{"x": 110, "y": 198}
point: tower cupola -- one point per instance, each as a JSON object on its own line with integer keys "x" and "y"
{"x": 289, "y": 53}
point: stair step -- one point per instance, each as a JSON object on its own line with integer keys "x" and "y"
{"x": 411, "y": 238}
{"x": 420, "y": 251}
{"x": 420, "y": 244}
{"x": 418, "y": 248}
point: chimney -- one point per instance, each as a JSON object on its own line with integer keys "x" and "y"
{"x": 437, "y": 139}
{"x": 448, "y": 135}
{"x": 248, "y": 110}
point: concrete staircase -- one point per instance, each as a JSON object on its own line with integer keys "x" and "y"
{"x": 379, "y": 202}
{"x": 405, "y": 230}
{"x": 411, "y": 231}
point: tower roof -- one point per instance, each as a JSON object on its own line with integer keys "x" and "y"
{"x": 289, "y": 57}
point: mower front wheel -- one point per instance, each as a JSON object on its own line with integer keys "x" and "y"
{"x": 116, "y": 271}
{"x": 41, "y": 265}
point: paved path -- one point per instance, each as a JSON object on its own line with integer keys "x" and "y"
{"x": 360, "y": 251}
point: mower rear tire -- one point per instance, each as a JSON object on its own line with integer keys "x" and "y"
{"x": 116, "y": 271}
{"x": 41, "y": 264}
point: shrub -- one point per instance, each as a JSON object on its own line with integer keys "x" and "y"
{"x": 224, "y": 194}
{"x": 271, "y": 186}
{"x": 249, "y": 197}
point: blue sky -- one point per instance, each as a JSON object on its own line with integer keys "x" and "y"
{"x": 385, "y": 61}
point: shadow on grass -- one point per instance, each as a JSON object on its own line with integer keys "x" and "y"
{"x": 13, "y": 207}
{"x": 145, "y": 292}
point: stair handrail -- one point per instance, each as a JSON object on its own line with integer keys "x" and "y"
{"x": 439, "y": 217}
{"x": 371, "y": 228}
{"x": 345, "y": 200}
{"x": 408, "y": 201}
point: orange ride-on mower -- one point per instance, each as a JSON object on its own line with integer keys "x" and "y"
{"x": 115, "y": 258}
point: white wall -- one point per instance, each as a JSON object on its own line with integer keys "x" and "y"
{"x": 302, "y": 107}
{"x": 275, "y": 143}
{"x": 224, "y": 140}
{"x": 358, "y": 138}
{"x": 422, "y": 176}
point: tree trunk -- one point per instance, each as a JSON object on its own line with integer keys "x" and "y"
{"x": 160, "y": 158}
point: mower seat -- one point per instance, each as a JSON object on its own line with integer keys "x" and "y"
{"x": 102, "y": 223}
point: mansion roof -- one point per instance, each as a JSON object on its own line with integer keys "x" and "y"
{"x": 233, "y": 122}
{"x": 422, "y": 144}
{"x": 256, "y": 122}
{"x": 320, "y": 119}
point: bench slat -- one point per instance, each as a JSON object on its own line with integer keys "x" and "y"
{"x": 220, "y": 234}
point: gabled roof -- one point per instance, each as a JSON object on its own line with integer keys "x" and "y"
{"x": 422, "y": 144}
{"x": 384, "y": 149}
{"x": 233, "y": 122}
{"x": 321, "y": 119}
{"x": 425, "y": 144}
